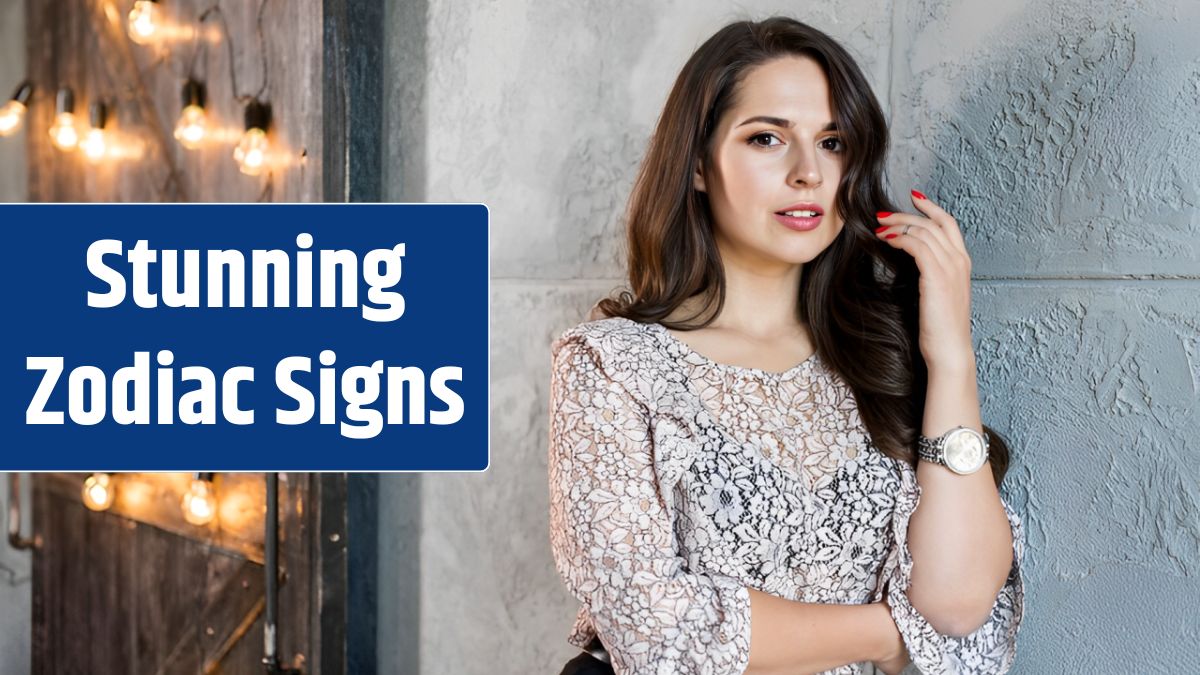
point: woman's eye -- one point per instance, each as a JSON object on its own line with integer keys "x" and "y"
{"x": 753, "y": 140}
{"x": 837, "y": 142}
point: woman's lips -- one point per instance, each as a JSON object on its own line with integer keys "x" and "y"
{"x": 799, "y": 224}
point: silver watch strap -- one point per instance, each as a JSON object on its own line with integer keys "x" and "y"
{"x": 930, "y": 449}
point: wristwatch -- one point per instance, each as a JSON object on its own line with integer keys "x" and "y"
{"x": 962, "y": 450}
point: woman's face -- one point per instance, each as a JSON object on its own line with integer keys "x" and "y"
{"x": 774, "y": 150}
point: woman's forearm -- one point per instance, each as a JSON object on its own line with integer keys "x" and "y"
{"x": 959, "y": 535}
{"x": 788, "y": 637}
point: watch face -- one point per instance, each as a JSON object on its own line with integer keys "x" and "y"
{"x": 964, "y": 451}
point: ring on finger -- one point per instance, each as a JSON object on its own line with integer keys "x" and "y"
{"x": 906, "y": 228}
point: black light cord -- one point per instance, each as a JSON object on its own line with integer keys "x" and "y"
{"x": 215, "y": 11}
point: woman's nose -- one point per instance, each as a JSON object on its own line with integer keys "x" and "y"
{"x": 805, "y": 170}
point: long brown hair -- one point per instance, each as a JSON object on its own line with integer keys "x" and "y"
{"x": 858, "y": 297}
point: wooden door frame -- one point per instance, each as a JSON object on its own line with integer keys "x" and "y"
{"x": 346, "y": 570}
{"x": 352, "y": 171}
{"x": 352, "y": 100}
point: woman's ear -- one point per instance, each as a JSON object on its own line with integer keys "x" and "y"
{"x": 698, "y": 178}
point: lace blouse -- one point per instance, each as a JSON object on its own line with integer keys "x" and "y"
{"x": 676, "y": 482}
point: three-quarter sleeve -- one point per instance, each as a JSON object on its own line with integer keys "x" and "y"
{"x": 612, "y": 534}
{"x": 989, "y": 649}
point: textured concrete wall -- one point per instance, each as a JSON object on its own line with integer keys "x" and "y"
{"x": 1063, "y": 137}
{"x": 13, "y": 183}
{"x": 15, "y": 609}
{"x": 542, "y": 110}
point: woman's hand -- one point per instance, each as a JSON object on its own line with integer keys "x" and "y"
{"x": 936, "y": 243}
{"x": 896, "y": 658}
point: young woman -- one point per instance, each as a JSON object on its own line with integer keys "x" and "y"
{"x": 739, "y": 443}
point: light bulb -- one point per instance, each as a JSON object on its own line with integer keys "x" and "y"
{"x": 13, "y": 112}
{"x": 98, "y": 492}
{"x": 251, "y": 151}
{"x": 192, "y": 127}
{"x": 10, "y": 117}
{"x": 62, "y": 132}
{"x": 193, "y": 122}
{"x": 94, "y": 145}
{"x": 145, "y": 20}
{"x": 200, "y": 504}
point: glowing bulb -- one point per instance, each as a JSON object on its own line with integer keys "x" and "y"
{"x": 63, "y": 132}
{"x": 13, "y": 112}
{"x": 192, "y": 127}
{"x": 200, "y": 504}
{"x": 251, "y": 152}
{"x": 98, "y": 492}
{"x": 10, "y": 117}
{"x": 193, "y": 122}
{"x": 94, "y": 145}
{"x": 144, "y": 21}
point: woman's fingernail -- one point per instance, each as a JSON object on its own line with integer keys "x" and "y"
{"x": 881, "y": 228}
{"x": 882, "y": 214}
{"x": 889, "y": 236}
{"x": 918, "y": 195}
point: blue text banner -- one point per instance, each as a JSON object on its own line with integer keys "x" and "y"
{"x": 289, "y": 337}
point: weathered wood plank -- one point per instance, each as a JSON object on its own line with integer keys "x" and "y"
{"x": 109, "y": 605}
{"x": 299, "y": 634}
{"x": 154, "y": 499}
{"x": 115, "y": 595}
{"x": 331, "y": 573}
{"x": 83, "y": 44}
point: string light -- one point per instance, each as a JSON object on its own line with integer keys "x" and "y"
{"x": 145, "y": 21}
{"x": 200, "y": 502}
{"x": 148, "y": 21}
{"x": 63, "y": 132}
{"x": 192, "y": 127}
{"x": 14, "y": 111}
{"x": 95, "y": 144}
{"x": 251, "y": 152}
{"x": 98, "y": 492}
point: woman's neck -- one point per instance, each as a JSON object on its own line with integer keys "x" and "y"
{"x": 757, "y": 304}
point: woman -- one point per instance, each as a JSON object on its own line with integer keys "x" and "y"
{"x": 733, "y": 470}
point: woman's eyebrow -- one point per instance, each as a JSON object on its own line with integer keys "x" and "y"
{"x": 781, "y": 122}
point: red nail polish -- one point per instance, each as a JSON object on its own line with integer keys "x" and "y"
{"x": 881, "y": 228}
{"x": 882, "y": 214}
{"x": 889, "y": 236}
{"x": 918, "y": 195}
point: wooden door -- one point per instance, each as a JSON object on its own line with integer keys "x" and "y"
{"x": 137, "y": 590}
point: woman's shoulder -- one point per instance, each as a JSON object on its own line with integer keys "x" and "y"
{"x": 611, "y": 335}
{"x": 621, "y": 348}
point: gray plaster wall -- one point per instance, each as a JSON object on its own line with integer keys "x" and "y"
{"x": 1064, "y": 138}
{"x": 15, "y": 610}
{"x": 12, "y": 71}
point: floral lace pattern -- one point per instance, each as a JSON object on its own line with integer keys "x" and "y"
{"x": 677, "y": 483}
